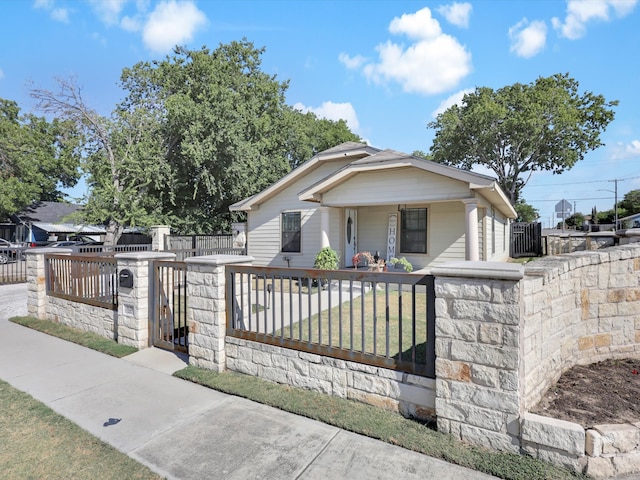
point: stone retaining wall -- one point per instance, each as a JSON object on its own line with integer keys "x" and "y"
{"x": 410, "y": 395}
{"x": 84, "y": 317}
{"x": 578, "y": 309}
{"x": 603, "y": 451}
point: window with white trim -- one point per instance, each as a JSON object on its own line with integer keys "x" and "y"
{"x": 291, "y": 228}
{"x": 413, "y": 230}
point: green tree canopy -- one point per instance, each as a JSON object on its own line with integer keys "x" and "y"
{"x": 526, "y": 213}
{"x": 122, "y": 158}
{"x": 631, "y": 202}
{"x": 519, "y": 129}
{"x": 37, "y": 158}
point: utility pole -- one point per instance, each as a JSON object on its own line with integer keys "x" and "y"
{"x": 615, "y": 205}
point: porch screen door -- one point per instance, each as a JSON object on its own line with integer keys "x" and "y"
{"x": 350, "y": 231}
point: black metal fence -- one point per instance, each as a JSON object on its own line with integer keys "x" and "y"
{"x": 207, "y": 242}
{"x": 381, "y": 319}
{"x": 526, "y": 239}
{"x": 169, "y": 328}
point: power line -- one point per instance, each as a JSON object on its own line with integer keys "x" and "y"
{"x": 580, "y": 183}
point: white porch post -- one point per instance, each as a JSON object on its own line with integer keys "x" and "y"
{"x": 471, "y": 230}
{"x": 324, "y": 227}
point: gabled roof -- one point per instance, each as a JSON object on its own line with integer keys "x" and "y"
{"x": 392, "y": 159}
{"x": 49, "y": 212}
{"x": 368, "y": 159}
{"x": 347, "y": 150}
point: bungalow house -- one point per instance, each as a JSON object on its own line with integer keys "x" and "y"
{"x": 355, "y": 198}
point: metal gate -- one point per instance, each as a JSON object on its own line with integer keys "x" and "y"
{"x": 168, "y": 325}
{"x": 526, "y": 239}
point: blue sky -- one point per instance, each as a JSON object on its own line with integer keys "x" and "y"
{"x": 385, "y": 66}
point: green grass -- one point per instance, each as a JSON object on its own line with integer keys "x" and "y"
{"x": 369, "y": 332}
{"x": 349, "y": 415}
{"x": 387, "y": 426}
{"x": 36, "y": 442}
{"x": 86, "y": 339}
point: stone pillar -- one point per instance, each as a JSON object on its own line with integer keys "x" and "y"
{"x": 134, "y": 304}
{"x": 36, "y": 280}
{"x": 158, "y": 232}
{"x": 471, "y": 230}
{"x": 324, "y": 227}
{"x": 479, "y": 384}
{"x": 206, "y": 308}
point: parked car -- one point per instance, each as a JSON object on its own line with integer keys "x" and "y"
{"x": 84, "y": 240}
{"x": 10, "y": 251}
{"x": 64, "y": 243}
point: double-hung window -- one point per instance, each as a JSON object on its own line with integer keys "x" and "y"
{"x": 291, "y": 229}
{"x": 413, "y": 230}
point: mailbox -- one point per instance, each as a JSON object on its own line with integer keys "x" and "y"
{"x": 125, "y": 278}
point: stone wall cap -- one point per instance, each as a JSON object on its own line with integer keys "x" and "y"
{"x": 41, "y": 250}
{"x": 629, "y": 232}
{"x": 145, "y": 256}
{"x": 475, "y": 269}
{"x": 220, "y": 259}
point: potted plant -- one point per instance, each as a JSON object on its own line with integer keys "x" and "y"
{"x": 401, "y": 262}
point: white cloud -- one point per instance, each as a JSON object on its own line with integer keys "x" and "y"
{"x": 172, "y": 23}
{"x": 108, "y": 10}
{"x": 352, "y": 63}
{"x": 581, "y": 12}
{"x": 528, "y": 39}
{"x": 623, "y": 151}
{"x": 334, "y": 111}
{"x": 99, "y": 38}
{"x": 454, "y": 99}
{"x": 60, "y": 15}
{"x": 434, "y": 63}
{"x": 456, "y": 13}
{"x": 130, "y": 24}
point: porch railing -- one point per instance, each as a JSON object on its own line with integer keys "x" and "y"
{"x": 381, "y": 319}
{"x": 83, "y": 279}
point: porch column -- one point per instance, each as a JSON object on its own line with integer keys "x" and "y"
{"x": 324, "y": 227}
{"x": 471, "y": 230}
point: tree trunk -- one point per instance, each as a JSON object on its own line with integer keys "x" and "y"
{"x": 114, "y": 232}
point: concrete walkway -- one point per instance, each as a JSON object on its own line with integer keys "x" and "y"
{"x": 185, "y": 431}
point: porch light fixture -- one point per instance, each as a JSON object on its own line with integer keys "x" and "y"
{"x": 402, "y": 207}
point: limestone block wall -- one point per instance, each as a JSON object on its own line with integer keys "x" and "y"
{"x": 578, "y": 309}
{"x": 101, "y": 321}
{"x": 408, "y": 394}
{"x": 478, "y": 343}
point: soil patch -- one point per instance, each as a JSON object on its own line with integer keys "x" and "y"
{"x": 603, "y": 392}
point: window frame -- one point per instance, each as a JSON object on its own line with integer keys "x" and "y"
{"x": 401, "y": 231}
{"x": 283, "y": 223}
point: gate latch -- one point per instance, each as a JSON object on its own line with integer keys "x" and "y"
{"x": 125, "y": 278}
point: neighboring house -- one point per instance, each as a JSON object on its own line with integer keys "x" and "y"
{"x": 630, "y": 221}
{"x": 354, "y": 197}
{"x": 44, "y": 222}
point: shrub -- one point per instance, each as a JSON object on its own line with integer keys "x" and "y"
{"x": 327, "y": 259}
{"x": 403, "y": 262}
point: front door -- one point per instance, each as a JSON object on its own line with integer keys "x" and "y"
{"x": 350, "y": 232}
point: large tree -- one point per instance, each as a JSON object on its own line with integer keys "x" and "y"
{"x": 225, "y": 125}
{"x": 522, "y": 128}
{"x": 37, "y": 158}
{"x": 123, "y": 158}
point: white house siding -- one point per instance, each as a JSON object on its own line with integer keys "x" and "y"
{"x": 445, "y": 233}
{"x": 398, "y": 186}
{"x": 502, "y": 238}
{"x": 263, "y": 225}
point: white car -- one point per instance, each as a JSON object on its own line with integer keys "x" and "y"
{"x": 9, "y": 250}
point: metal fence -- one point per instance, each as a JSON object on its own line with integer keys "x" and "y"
{"x": 90, "y": 280}
{"x": 210, "y": 242}
{"x": 198, "y": 252}
{"x": 13, "y": 267}
{"x": 110, "y": 249}
{"x": 381, "y": 319}
{"x": 169, "y": 328}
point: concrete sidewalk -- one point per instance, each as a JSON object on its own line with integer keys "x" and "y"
{"x": 185, "y": 431}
